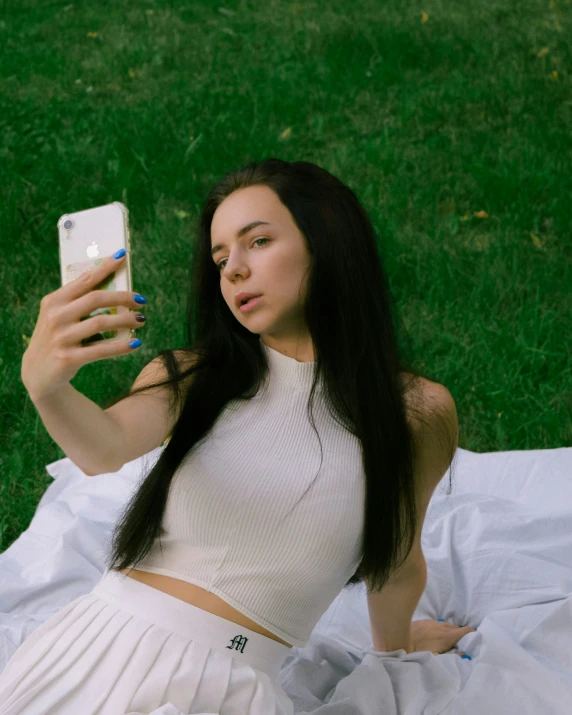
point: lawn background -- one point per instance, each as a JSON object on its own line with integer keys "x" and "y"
{"x": 451, "y": 123}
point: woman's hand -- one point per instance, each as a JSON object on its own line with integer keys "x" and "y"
{"x": 436, "y": 636}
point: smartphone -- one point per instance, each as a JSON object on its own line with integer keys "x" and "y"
{"x": 86, "y": 238}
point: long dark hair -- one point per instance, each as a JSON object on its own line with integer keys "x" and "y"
{"x": 369, "y": 386}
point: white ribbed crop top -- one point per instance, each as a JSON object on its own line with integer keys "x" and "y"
{"x": 248, "y": 519}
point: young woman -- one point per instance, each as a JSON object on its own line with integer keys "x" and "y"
{"x": 294, "y": 463}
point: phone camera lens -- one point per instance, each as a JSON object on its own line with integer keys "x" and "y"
{"x": 68, "y": 224}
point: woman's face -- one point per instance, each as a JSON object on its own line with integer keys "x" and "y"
{"x": 272, "y": 260}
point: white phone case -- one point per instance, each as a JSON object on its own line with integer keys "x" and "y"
{"x": 86, "y": 239}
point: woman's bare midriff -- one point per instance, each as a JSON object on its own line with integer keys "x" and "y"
{"x": 199, "y": 597}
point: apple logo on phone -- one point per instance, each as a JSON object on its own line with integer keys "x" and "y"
{"x": 92, "y": 250}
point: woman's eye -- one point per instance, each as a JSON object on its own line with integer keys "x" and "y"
{"x": 220, "y": 266}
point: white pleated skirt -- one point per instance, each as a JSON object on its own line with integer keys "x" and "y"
{"x": 126, "y": 648}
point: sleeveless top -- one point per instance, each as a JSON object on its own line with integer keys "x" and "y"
{"x": 253, "y": 518}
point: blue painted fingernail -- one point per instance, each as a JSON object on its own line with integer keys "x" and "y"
{"x": 468, "y": 657}
{"x": 119, "y": 254}
{"x": 441, "y": 619}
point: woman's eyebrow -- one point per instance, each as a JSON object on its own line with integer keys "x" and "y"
{"x": 240, "y": 233}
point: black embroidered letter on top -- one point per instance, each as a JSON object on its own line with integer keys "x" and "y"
{"x": 238, "y": 643}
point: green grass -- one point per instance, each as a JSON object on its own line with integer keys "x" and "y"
{"x": 451, "y": 123}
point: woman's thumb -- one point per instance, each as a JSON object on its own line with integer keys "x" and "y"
{"x": 467, "y": 629}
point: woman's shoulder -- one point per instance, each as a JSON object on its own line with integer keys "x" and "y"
{"x": 419, "y": 385}
{"x": 424, "y": 398}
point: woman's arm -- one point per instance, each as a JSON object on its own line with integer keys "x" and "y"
{"x": 391, "y": 610}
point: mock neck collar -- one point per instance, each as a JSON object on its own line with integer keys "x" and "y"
{"x": 288, "y": 370}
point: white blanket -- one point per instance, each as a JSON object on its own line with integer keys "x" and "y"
{"x": 499, "y": 559}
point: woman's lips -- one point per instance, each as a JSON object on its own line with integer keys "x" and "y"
{"x": 250, "y": 305}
